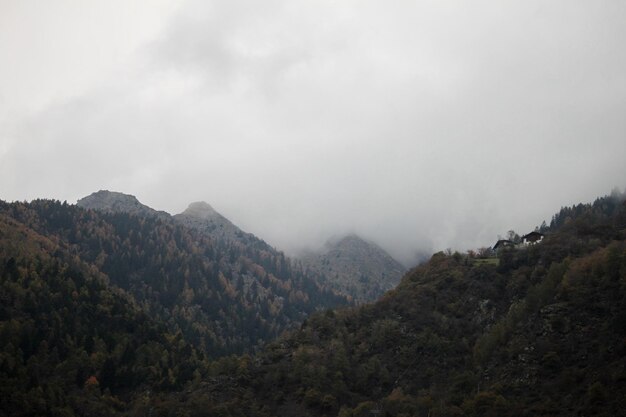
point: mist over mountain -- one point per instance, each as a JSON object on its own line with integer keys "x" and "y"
{"x": 356, "y": 267}
{"x": 350, "y": 265}
{"x": 408, "y": 124}
{"x": 243, "y": 135}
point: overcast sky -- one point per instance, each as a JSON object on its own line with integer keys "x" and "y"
{"x": 421, "y": 125}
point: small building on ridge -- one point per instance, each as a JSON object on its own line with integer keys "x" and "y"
{"x": 502, "y": 243}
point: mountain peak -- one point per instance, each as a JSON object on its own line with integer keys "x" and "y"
{"x": 201, "y": 209}
{"x": 357, "y": 267}
{"x": 105, "y": 199}
{"x": 201, "y": 216}
{"x": 113, "y": 201}
{"x": 348, "y": 239}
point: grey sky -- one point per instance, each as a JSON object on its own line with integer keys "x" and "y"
{"x": 420, "y": 125}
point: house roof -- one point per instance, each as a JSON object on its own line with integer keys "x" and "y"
{"x": 532, "y": 237}
{"x": 502, "y": 242}
{"x": 533, "y": 234}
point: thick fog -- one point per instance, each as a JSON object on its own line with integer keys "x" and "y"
{"x": 419, "y": 125}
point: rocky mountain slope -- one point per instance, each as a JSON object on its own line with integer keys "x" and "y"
{"x": 356, "y": 267}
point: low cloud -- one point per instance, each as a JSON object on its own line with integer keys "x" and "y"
{"x": 420, "y": 127}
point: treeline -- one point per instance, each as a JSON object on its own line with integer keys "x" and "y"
{"x": 602, "y": 210}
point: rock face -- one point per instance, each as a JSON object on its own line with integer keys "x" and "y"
{"x": 356, "y": 267}
{"x": 114, "y": 202}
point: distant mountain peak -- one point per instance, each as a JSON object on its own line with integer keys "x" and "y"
{"x": 356, "y": 266}
{"x": 349, "y": 239}
{"x": 201, "y": 209}
{"x": 116, "y": 202}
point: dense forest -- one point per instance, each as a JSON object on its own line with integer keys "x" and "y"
{"x": 94, "y": 322}
{"x": 131, "y": 300}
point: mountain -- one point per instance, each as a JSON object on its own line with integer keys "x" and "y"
{"x": 538, "y": 331}
{"x": 96, "y": 320}
{"x": 356, "y": 267}
{"x": 114, "y": 202}
{"x": 99, "y": 306}
{"x": 224, "y": 297}
{"x": 250, "y": 255}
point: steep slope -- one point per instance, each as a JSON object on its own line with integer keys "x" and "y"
{"x": 356, "y": 267}
{"x": 223, "y": 297}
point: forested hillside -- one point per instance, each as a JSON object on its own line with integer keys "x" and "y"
{"x": 541, "y": 331}
{"x": 105, "y": 290}
{"x": 224, "y": 298}
{"x": 70, "y": 342}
